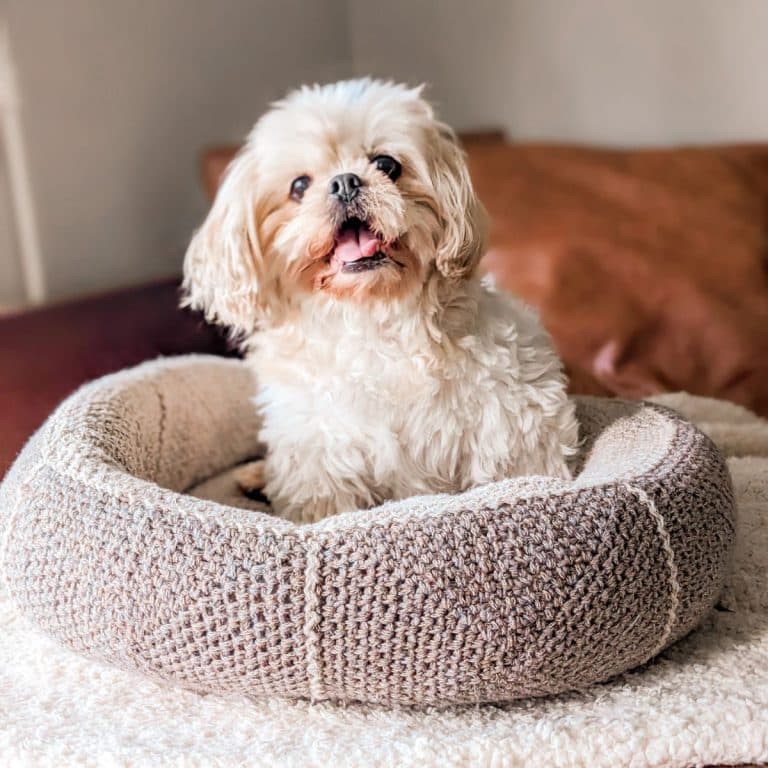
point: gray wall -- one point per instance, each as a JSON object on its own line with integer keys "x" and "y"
{"x": 118, "y": 99}
{"x": 11, "y": 282}
{"x": 605, "y": 71}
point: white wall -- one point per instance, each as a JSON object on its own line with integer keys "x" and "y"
{"x": 12, "y": 291}
{"x": 118, "y": 100}
{"x": 603, "y": 71}
{"x": 119, "y": 97}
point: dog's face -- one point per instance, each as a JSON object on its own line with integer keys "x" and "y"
{"x": 348, "y": 192}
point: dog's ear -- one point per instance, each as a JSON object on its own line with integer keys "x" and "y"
{"x": 462, "y": 216}
{"x": 223, "y": 266}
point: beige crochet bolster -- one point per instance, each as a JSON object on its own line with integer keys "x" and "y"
{"x": 526, "y": 587}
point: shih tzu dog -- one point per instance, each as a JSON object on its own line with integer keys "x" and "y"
{"x": 342, "y": 250}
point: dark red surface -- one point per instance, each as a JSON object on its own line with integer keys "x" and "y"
{"x": 46, "y": 354}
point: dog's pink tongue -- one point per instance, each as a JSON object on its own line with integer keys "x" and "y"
{"x": 353, "y": 245}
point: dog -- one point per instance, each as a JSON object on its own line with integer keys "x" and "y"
{"x": 342, "y": 251}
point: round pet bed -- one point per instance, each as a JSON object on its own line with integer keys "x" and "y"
{"x": 525, "y": 587}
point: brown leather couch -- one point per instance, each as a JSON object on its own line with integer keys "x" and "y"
{"x": 650, "y": 268}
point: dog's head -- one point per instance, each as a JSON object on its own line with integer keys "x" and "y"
{"x": 351, "y": 192}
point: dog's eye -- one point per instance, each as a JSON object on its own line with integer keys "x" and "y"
{"x": 299, "y": 186}
{"x": 388, "y": 165}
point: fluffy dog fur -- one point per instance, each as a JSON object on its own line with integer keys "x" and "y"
{"x": 385, "y": 376}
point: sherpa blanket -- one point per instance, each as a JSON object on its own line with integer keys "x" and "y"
{"x": 703, "y": 701}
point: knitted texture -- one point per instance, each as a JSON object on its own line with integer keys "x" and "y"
{"x": 525, "y": 587}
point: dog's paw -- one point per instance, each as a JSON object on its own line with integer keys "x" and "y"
{"x": 250, "y": 477}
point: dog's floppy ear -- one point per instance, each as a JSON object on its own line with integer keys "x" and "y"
{"x": 462, "y": 217}
{"x": 223, "y": 265}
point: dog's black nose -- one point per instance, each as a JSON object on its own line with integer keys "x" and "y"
{"x": 345, "y": 187}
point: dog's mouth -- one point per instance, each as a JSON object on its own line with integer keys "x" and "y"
{"x": 358, "y": 248}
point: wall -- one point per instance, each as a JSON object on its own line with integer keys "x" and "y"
{"x": 12, "y": 292}
{"x": 604, "y": 71}
{"x": 11, "y": 283}
{"x": 119, "y": 98}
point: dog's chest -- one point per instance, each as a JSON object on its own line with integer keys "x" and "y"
{"x": 391, "y": 408}
{"x": 348, "y": 388}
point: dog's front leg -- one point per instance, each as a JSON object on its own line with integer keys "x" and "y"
{"x": 317, "y": 508}
{"x": 308, "y": 493}
{"x": 252, "y": 477}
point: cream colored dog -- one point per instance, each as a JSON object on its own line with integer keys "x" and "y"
{"x": 342, "y": 249}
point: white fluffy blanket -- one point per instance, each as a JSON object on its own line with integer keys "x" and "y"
{"x": 703, "y": 701}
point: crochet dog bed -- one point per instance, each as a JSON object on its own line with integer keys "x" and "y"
{"x": 526, "y": 587}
